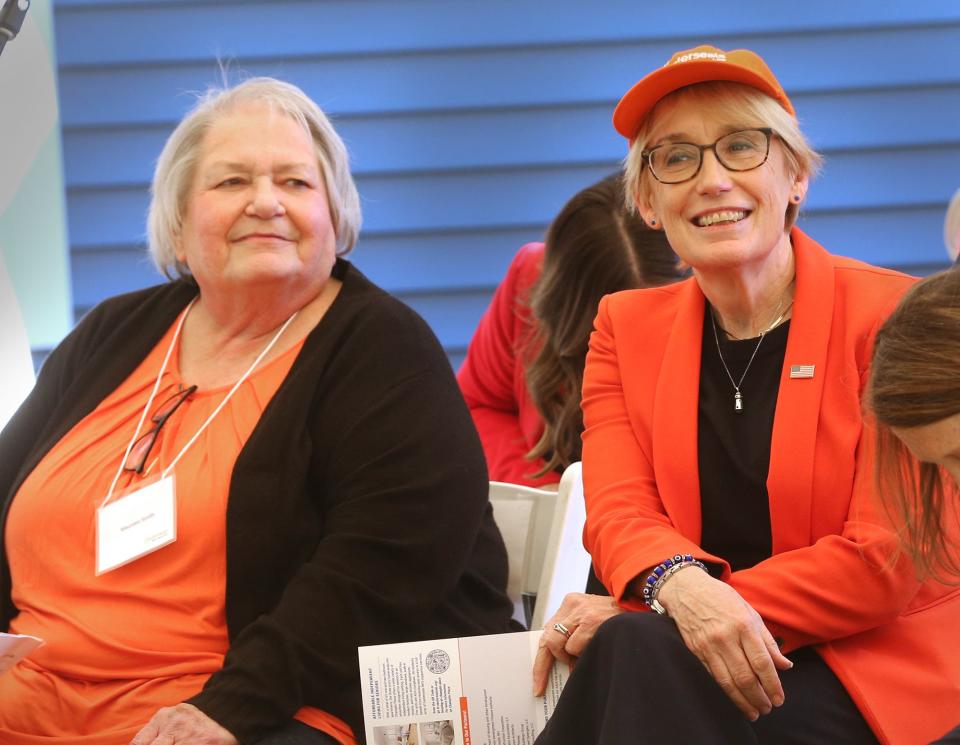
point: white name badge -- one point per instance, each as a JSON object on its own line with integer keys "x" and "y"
{"x": 136, "y": 524}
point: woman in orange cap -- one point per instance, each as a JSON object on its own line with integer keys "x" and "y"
{"x": 727, "y": 468}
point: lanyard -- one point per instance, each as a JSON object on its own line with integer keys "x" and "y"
{"x": 156, "y": 387}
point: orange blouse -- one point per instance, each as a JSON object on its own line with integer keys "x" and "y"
{"x": 148, "y": 634}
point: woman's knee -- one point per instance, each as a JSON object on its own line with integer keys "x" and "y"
{"x": 297, "y": 733}
{"x": 638, "y": 634}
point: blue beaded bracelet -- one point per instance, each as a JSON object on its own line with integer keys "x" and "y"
{"x": 661, "y": 572}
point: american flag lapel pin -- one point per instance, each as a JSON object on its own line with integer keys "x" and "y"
{"x": 801, "y": 371}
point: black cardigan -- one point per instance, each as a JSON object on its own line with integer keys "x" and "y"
{"x": 357, "y": 509}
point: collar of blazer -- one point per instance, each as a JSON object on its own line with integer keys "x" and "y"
{"x": 790, "y": 478}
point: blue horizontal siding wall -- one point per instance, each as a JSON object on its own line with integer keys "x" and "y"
{"x": 470, "y": 123}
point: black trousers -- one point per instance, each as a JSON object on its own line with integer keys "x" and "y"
{"x": 637, "y": 682}
{"x": 951, "y": 738}
{"x": 297, "y": 733}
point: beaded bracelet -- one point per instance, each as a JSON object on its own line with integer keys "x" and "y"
{"x": 661, "y": 573}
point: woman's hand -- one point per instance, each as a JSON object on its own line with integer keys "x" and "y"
{"x": 581, "y": 614}
{"x": 184, "y": 724}
{"x": 729, "y": 638}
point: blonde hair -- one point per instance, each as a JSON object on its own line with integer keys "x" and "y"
{"x": 181, "y": 153}
{"x": 737, "y": 103}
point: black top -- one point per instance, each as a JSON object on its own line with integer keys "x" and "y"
{"x": 733, "y": 449}
{"x": 357, "y": 511}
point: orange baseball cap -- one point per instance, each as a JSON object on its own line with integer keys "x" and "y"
{"x": 698, "y": 65}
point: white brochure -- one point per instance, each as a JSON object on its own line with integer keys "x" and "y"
{"x": 14, "y": 647}
{"x": 475, "y": 690}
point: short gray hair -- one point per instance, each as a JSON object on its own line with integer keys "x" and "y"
{"x": 178, "y": 161}
{"x": 744, "y": 105}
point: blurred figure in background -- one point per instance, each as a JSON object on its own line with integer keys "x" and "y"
{"x": 951, "y": 228}
{"x": 524, "y": 368}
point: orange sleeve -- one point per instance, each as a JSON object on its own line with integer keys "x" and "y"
{"x": 840, "y": 585}
{"x": 628, "y": 530}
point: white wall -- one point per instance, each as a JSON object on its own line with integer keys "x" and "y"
{"x": 33, "y": 234}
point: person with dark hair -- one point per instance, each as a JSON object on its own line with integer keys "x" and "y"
{"x": 914, "y": 398}
{"x": 221, "y": 486}
{"x": 524, "y": 367}
{"x": 727, "y": 466}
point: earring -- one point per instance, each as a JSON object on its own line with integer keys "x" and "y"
{"x": 653, "y": 221}
{"x": 796, "y": 198}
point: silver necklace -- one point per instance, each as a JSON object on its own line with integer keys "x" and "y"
{"x": 737, "y": 396}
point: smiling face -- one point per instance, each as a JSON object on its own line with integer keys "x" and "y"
{"x": 719, "y": 219}
{"x": 937, "y": 443}
{"x": 257, "y": 213}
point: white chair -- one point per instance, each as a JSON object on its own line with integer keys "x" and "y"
{"x": 542, "y": 532}
{"x": 16, "y": 373}
{"x": 566, "y": 563}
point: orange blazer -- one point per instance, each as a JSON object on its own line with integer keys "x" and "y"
{"x": 890, "y": 639}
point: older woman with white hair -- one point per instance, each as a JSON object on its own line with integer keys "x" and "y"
{"x": 221, "y": 486}
{"x": 727, "y": 465}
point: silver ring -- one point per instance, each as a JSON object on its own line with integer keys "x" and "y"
{"x": 562, "y": 629}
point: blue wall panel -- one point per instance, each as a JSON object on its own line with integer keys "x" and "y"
{"x": 470, "y": 123}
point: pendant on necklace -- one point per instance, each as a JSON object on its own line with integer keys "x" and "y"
{"x": 737, "y": 402}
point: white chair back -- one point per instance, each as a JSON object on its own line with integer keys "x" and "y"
{"x": 524, "y": 515}
{"x": 541, "y": 529}
{"x": 566, "y": 563}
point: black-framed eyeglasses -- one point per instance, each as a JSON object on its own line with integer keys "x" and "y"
{"x": 676, "y": 162}
{"x": 137, "y": 457}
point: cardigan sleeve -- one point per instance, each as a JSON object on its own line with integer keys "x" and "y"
{"x": 56, "y": 374}
{"x": 488, "y": 377}
{"x": 407, "y": 549}
{"x": 47, "y": 413}
{"x": 18, "y": 439}
{"x": 78, "y": 373}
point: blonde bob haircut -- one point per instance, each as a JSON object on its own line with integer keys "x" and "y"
{"x": 742, "y": 106}
{"x": 177, "y": 163}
